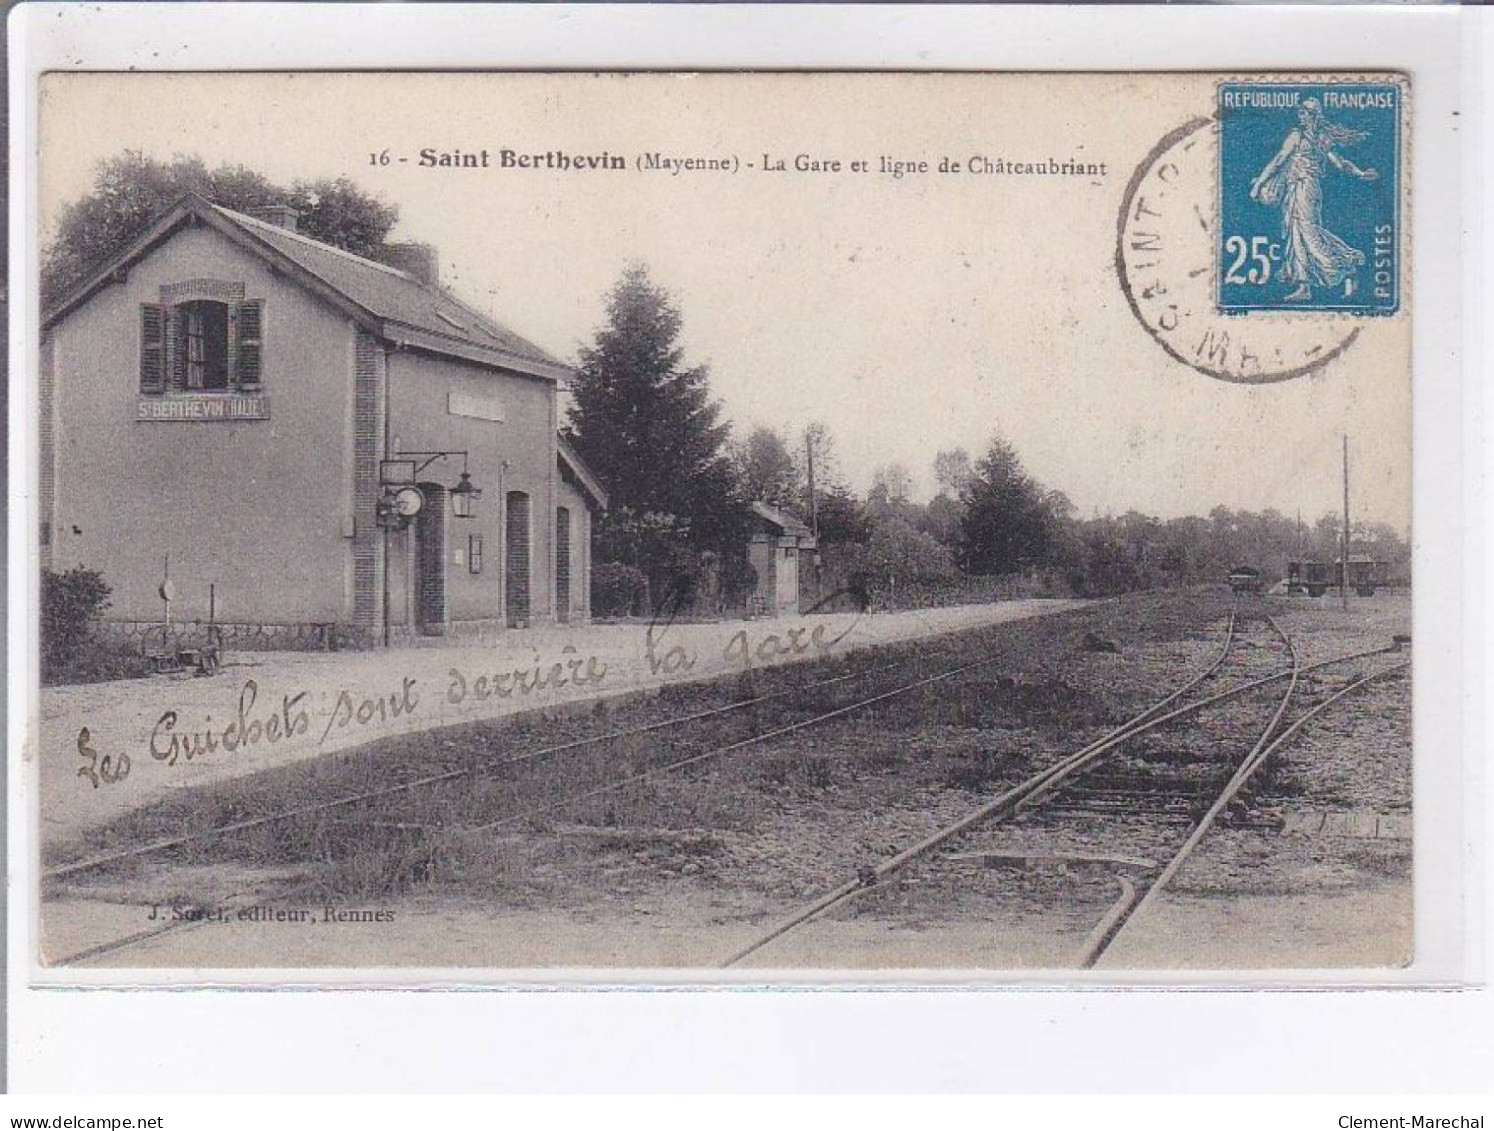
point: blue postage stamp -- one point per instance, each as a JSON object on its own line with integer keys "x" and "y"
{"x": 1309, "y": 197}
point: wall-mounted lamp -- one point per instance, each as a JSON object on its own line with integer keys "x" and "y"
{"x": 404, "y": 470}
{"x": 463, "y": 495}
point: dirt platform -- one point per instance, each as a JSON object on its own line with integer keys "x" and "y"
{"x": 685, "y": 868}
{"x": 265, "y": 710}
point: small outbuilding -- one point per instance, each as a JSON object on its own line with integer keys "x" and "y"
{"x": 774, "y": 551}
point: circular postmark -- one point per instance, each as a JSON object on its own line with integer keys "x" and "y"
{"x": 1165, "y": 259}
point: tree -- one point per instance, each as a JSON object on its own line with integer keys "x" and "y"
{"x": 892, "y": 484}
{"x": 131, "y": 189}
{"x": 945, "y": 514}
{"x": 646, "y": 424}
{"x": 898, "y": 554}
{"x": 1007, "y": 525}
{"x": 843, "y": 518}
{"x": 942, "y": 519}
{"x": 1328, "y": 537}
{"x": 768, "y": 471}
{"x": 953, "y": 470}
{"x": 889, "y": 496}
{"x": 336, "y": 211}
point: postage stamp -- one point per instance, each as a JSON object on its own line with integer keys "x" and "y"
{"x": 1309, "y": 196}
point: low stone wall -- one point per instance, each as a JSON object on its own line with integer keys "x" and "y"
{"x": 233, "y": 636}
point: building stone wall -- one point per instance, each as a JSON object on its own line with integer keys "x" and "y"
{"x": 368, "y": 555}
{"x": 259, "y": 509}
{"x": 579, "y": 507}
{"x": 424, "y": 417}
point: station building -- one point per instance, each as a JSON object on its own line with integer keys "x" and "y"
{"x": 304, "y": 439}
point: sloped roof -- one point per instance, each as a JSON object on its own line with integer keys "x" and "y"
{"x": 391, "y": 303}
{"x": 571, "y": 463}
{"x": 785, "y": 522}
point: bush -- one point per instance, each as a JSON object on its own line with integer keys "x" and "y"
{"x": 738, "y": 579}
{"x": 70, "y": 604}
{"x": 618, "y": 590}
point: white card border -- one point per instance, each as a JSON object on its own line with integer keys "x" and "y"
{"x": 1452, "y": 797}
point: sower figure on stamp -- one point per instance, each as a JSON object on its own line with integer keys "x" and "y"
{"x": 1294, "y": 179}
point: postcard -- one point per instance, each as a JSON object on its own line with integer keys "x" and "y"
{"x": 727, "y": 524}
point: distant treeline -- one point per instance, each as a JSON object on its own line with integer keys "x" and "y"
{"x": 682, "y": 483}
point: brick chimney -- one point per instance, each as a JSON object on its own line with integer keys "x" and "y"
{"x": 281, "y": 215}
{"x": 418, "y": 259}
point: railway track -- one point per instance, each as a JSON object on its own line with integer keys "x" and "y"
{"x": 515, "y": 814}
{"x": 1078, "y": 785}
{"x": 1130, "y": 905}
{"x": 464, "y": 774}
{"x": 501, "y": 795}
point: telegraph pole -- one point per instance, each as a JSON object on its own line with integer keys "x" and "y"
{"x": 1343, "y": 586}
{"x": 814, "y": 510}
{"x": 814, "y": 502}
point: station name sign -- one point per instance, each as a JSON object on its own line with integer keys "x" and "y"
{"x": 209, "y": 406}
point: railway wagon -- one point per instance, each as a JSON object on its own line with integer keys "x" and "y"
{"x": 1246, "y": 579}
{"x": 1316, "y": 578}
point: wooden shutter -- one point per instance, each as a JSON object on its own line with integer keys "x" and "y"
{"x": 250, "y": 345}
{"x": 152, "y": 347}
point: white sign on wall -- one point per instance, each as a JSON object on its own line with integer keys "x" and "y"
{"x": 207, "y": 406}
{"x": 480, "y": 408}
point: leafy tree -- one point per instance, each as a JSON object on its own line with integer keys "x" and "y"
{"x": 942, "y": 519}
{"x": 1007, "y": 524}
{"x": 945, "y": 514}
{"x": 767, "y": 470}
{"x": 1109, "y": 566}
{"x": 843, "y": 518}
{"x": 897, "y": 554}
{"x": 1328, "y": 537}
{"x": 892, "y": 484}
{"x": 1382, "y": 543}
{"x": 953, "y": 470}
{"x": 131, "y": 189}
{"x": 645, "y": 422}
{"x": 336, "y": 211}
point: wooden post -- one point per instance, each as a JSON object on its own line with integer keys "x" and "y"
{"x": 814, "y": 511}
{"x": 1343, "y": 586}
{"x": 814, "y": 502}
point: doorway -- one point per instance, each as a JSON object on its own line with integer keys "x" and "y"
{"x": 430, "y": 562}
{"x": 563, "y": 564}
{"x": 516, "y": 559}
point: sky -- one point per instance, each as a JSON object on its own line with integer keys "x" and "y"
{"x": 909, "y": 313}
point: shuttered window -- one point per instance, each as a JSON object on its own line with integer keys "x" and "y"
{"x": 201, "y": 345}
{"x": 152, "y": 348}
{"x": 250, "y": 344}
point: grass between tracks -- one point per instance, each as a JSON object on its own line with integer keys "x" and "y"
{"x": 783, "y": 817}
